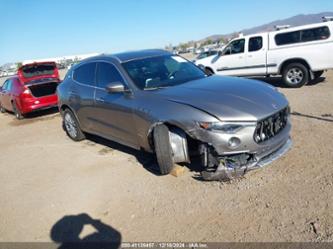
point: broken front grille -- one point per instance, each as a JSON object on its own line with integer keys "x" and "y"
{"x": 271, "y": 126}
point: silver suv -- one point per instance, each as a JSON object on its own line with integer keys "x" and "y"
{"x": 161, "y": 103}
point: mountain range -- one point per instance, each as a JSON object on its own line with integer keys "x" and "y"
{"x": 298, "y": 20}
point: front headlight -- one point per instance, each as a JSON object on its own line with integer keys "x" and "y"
{"x": 225, "y": 127}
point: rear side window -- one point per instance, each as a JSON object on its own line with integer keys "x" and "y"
{"x": 85, "y": 74}
{"x": 288, "y": 38}
{"x": 306, "y": 35}
{"x": 255, "y": 43}
{"x": 321, "y": 33}
{"x": 106, "y": 74}
{"x": 9, "y": 85}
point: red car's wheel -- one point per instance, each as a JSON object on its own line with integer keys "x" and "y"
{"x": 2, "y": 110}
{"x": 17, "y": 112}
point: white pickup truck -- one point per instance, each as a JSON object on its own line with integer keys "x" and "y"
{"x": 299, "y": 54}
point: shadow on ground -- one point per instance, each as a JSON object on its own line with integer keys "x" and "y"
{"x": 66, "y": 232}
{"x": 277, "y": 81}
{"x": 33, "y": 117}
{"x": 147, "y": 160}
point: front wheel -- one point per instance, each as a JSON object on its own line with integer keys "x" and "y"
{"x": 163, "y": 149}
{"x": 72, "y": 127}
{"x": 295, "y": 75}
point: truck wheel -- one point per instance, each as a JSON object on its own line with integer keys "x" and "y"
{"x": 295, "y": 75}
{"x": 72, "y": 127}
{"x": 163, "y": 149}
{"x": 318, "y": 74}
{"x": 17, "y": 112}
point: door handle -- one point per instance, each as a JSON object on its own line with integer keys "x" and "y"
{"x": 100, "y": 100}
{"x": 71, "y": 93}
{"x": 250, "y": 56}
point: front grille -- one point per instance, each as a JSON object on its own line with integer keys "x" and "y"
{"x": 271, "y": 126}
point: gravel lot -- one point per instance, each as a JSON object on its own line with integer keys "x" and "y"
{"x": 46, "y": 178}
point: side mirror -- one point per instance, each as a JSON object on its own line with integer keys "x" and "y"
{"x": 115, "y": 87}
{"x": 227, "y": 51}
{"x": 219, "y": 53}
{"x": 202, "y": 67}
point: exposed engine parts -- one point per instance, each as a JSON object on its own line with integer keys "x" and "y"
{"x": 224, "y": 168}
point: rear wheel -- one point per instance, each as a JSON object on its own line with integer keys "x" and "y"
{"x": 17, "y": 112}
{"x": 318, "y": 74}
{"x": 295, "y": 75}
{"x": 72, "y": 127}
{"x": 2, "y": 110}
{"x": 163, "y": 149}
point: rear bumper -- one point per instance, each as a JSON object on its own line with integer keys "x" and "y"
{"x": 36, "y": 104}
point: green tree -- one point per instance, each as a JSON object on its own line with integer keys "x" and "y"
{"x": 19, "y": 64}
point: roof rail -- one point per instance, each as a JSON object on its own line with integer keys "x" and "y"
{"x": 327, "y": 18}
{"x": 279, "y": 27}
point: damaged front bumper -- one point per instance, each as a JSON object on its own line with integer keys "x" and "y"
{"x": 230, "y": 167}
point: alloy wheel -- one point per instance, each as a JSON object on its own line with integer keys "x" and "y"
{"x": 70, "y": 125}
{"x": 295, "y": 75}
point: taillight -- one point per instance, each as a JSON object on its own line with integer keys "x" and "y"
{"x": 26, "y": 92}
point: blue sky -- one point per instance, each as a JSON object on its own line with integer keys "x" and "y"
{"x": 32, "y": 29}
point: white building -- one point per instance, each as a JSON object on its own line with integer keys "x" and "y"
{"x": 62, "y": 59}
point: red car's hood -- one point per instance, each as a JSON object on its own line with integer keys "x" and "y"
{"x": 36, "y": 71}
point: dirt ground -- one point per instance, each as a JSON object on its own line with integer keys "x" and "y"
{"x": 47, "y": 180}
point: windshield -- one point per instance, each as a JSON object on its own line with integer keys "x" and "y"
{"x": 162, "y": 71}
{"x": 206, "y": 54}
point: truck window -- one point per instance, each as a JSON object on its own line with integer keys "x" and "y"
{"x": 235, "y": 47}
{"x": 255, "y": 43}
{"x": 306, "y": 35}
{"x": 315, "y": 34}
{"x": 288, "y": 38}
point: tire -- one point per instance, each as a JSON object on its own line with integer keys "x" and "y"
{"x": 72, "y": 127}
{"x": 209, "y": 71}
{"x": 163, "y": 149}
{"x": 318, "y": 74}
{"x": 17, "y": 112}
{"x": 2, "y": 110}
{"x": 295, "y": 75}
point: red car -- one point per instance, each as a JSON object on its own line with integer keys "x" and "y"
{"x": 33, "y": 88}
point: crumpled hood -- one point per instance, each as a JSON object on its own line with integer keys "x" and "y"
{"x": 228, "y": 98}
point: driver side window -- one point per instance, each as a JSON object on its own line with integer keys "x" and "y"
{"x": 235, "y": 47}
{"x": 106, "y": 74}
